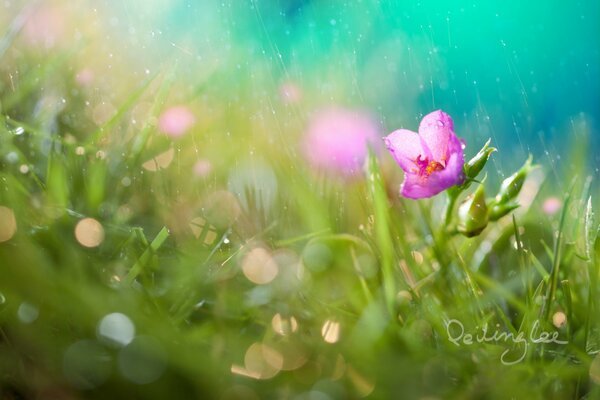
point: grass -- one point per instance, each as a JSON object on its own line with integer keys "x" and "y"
{"x": 367, "y": 283}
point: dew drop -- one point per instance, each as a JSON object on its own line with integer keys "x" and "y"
{"x": 27, "y": 313}
{"x": 116, "y": 328}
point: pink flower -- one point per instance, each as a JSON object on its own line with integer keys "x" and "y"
{"x": 337, "y": 140}
{"x": 551, "y": 205}
{"x": 432, "y": 160}
{"x": 176, "y": 121}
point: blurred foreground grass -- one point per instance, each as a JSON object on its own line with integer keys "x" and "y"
{"x": 124, "y": 274}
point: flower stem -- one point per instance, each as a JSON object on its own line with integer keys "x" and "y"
{"x": 449, "y": 207}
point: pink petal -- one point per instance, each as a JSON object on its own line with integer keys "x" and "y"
{"x": 437, "y": 118}
{"x": 418, "y": 187}
{"x": 437, "y": 130}
{"x": 406, "y": 147}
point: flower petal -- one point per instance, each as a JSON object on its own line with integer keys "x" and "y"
{"x": 437, "y": 131}
{"x": 418, "y": 187}
{"x": 406, "y": 147}
{"x": 437, "y": 118}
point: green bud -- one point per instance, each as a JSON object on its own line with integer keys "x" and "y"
{"x": 474, "y": 166}
{"x": 498, "y": 211}
{"x": 473, "y": 214}
{"x": 512, "y": 185}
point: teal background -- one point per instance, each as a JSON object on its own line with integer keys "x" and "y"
{"x": 524, "y": 73}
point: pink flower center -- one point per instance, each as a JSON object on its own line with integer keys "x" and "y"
{"x": 427, "y": 167}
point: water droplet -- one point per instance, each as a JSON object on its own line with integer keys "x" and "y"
{"x": 284, "y": 326}
{"x": 263, "y": 362}
{"x": 559, "y": 319}
{"x": 8, "y": 224}
{"x": 331, "y": 331}
{"x": 89, "y": 232}
{"x": 117, "y": 329}
{"x": 27, "y": 313}
{"x": 19, "y": 130}
{"x": 12, "y": 157}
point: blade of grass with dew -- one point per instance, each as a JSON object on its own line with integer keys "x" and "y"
{"x": 15, "y": 27}
{"x": 539, "y": 267}
{"x": 551, "y": 291}
{"x": 592, "y": 252}
{"x": 500, "y": 290}
{"x": 33, "y": 79}
{"x": 565, "y": 287}
{"x": 524, "y": 272}
{"x": 382, "y": 229}
{"x": 57, "y": 187}
{"x": 363, "y": 283}
{"x": 131, "y": 101}
{"x": 143, "y": 260}
{"x": 140, "y": 140}
{"x": 301, "y": 238}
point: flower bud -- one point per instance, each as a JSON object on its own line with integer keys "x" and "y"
{"x": 512, "y": 185}
{"x": 474, "y": 166}
{"x": 473, "y": 214}
{"x": 498, "y": 211}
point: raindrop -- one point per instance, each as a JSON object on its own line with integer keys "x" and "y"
{"x": 116, "y": 328}
{"x": 284, "y": 326}
{"x": 89, "y": 232}
{"x": 19, "y": 130}
{"x": 559, "y": 319}
{"x": 317, "y": 257}
{"x": 331, "y": 331}
{"x": 8, "y": 224}
{"x": 263, "y": 361}
{"x": 12, "y": 157}
{"x": 27, "y": 313}
{"x": 259, "y": 267}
